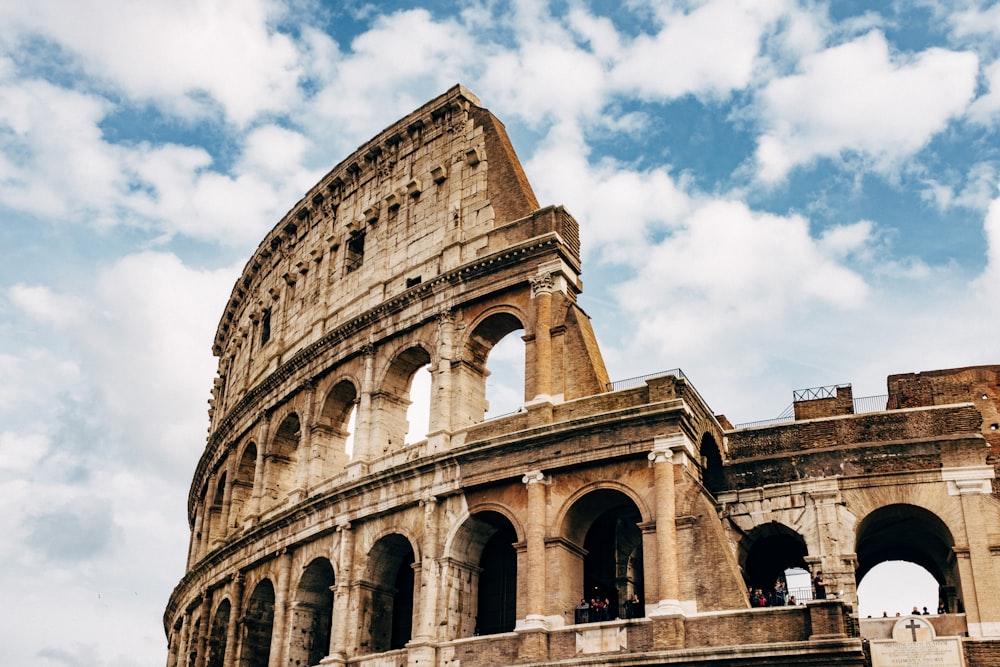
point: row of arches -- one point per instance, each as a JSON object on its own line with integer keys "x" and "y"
{"x": 894, "y": 533}
{"x": 359, "y": 415}
{"x": 478, "y": 583}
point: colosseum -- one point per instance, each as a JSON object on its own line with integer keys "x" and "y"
{"x": 602, "y": 523}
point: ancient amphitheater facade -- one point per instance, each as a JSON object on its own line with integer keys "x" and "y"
{"x": 322, "y": 534}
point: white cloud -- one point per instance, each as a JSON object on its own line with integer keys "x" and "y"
{"x": 711, "y": 49}
{"x": 174, "y": 52}
{"x": 856, "y": 97}
{"x": 987, "y": 107}
{"x": 42, "y": 303}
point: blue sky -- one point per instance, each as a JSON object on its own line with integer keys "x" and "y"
{"x": 773, "y": 195}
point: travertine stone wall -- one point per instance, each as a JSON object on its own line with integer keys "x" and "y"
{"x": 322, "y": 534}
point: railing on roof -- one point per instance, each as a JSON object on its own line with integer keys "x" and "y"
{"x": 814, "y": 393}
{"x": 867, "y": 404}
{"x": 632, "y": 383}
{"x": 862, "y": 405}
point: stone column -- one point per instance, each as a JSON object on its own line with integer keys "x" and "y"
{"x": 429, "y": 579}
{"x": 535, "y": 538}
{"x": 363, "y": 423}
{"x": 279, "y": 633}
{"x": 227, "y": 494}
{"x": 182, "y": 646}
{"x": 668, "y": 576}
{"x": 979, "y": 581}
{"x": 341, "y": 599}
{"x": 304, "y": 465}
{"x": 263, "y": 433}
{"x": 541, "y": 295}
{"x": 235, "y": 614}
{"x": 203, "y": 629}
{"x": 442, "y": 386}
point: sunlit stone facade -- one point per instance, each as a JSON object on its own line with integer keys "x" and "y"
{"x": 323, "y": 532}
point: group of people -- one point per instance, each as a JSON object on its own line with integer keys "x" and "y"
{"x": 600, "y": 610}
{"x": 777, "y": 596}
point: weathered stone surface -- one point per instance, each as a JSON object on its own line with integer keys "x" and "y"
{"x": 316, "y": 538}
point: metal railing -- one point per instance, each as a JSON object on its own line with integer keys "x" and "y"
{"x": 814, "y": 393}
{"x": 631, "y": 383}
{"x": 867, "y": 404}
{"x": 862, "y": 405}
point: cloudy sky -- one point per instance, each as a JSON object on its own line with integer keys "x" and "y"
{"x": 773, "y": 195}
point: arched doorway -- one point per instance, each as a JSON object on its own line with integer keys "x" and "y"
{"x": 332, "y": 433}
{"x": 605, "y": 523}
{"x": 904, "y": 532}
{"x": 243, "y": 486}
{"x": 217, "y": 635}
{"x": 496, "y": 333}
{"x": 388, "y": 595}
{"x": 312, "y": 615}
{"x": 766, "y": 553}
{"x": 391, "y": 403}
{"x": 713, "y": 476}
{"x": 258, "y": 625}
{"x": 282, "y": 459}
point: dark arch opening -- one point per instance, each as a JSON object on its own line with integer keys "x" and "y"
{"x": 608, "y": 522}
{"x": 282, "y": 458}
{"x": 767, "y": 551}
{"x": 242, "y": 486}
{"x": 496, "y": 606}
{"x": 713, "y": 475}
{"x": 312, "y": 615}
{"x": 217, "y": 635}
{"x": 913, "y": 534}
{"x": 391, "y": 591}
{"x": 258, "y": 625}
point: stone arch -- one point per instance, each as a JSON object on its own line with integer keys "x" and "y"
{"x": 603, "y": 550}
{"x": 713, "y": 476}
{"x": 258, "y": 626}
{"x": 904, "y": 532}
{"x": 488, "y": 329}
{"x": 281, "y": 469}
{"x": 217, "y": 634}
{"x": 387, "y": 595}
{"x": 311, "y": 620}
{"x": 767, "y": 551}
{"x": 392, "y": 399}
{"x": 331, "y": 431}
{"x": 242, "y": 493}
{"x": 484, "y": 553}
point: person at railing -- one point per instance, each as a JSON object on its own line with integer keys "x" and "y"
{"x": 583, "y": 611}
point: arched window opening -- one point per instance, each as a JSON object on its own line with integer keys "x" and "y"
{"x": 505, "y": 375}
{"x": 606, "y": 524}
{"x": 498, "y": 389}
{"x": 217, "y": 635}
{"x": 912, "y": 535}
{"x": 215, "y": 512}
{"x": 388, "y": 599}
{"x": 712, "y": 474}
{"x": 496, "y": 604}
{"x": 390, "y": 405}
{"x": 896, "y": 587}
{"x": 281, "y": 461}
{"x": 419, "y": 411}
{"x": 312, "y": 615}
{"x": 334, "y": 430}
{"x": 258, "y": 624}
{"x": 766, "y": 553}
{"x": 483, "y": 576}
{"x": 243, "y": 486}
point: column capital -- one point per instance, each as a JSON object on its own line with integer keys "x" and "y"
{"x": 673, "y": 448}
{"x": 535, "y": 477}
{"x": 428, "y": 501}
{"x": 343, "y": 527}
{"x": 543, "y": 284}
